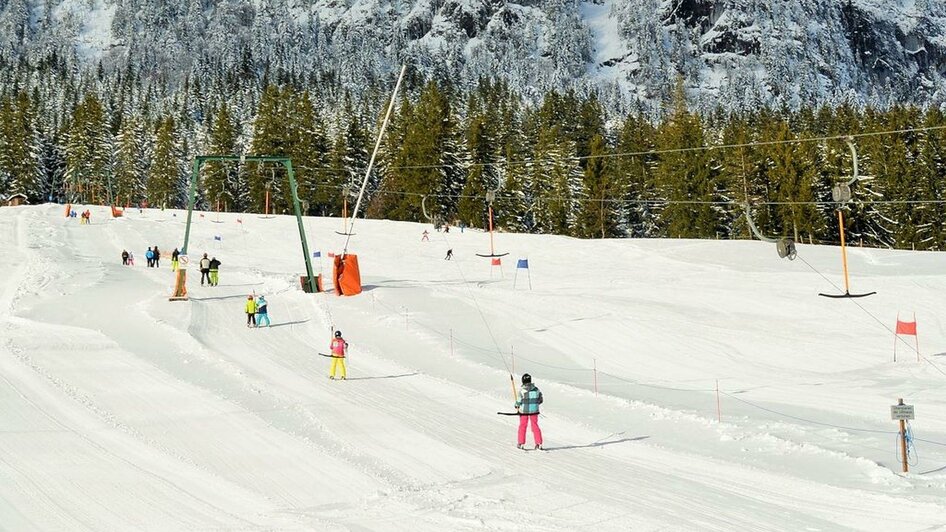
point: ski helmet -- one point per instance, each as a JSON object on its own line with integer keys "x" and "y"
{"x": 338, "y": 334}
{"x": 526, "y": 378}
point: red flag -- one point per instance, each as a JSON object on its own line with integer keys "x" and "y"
{"x": 906, "y": 327}
{"x": 497, "y": 262}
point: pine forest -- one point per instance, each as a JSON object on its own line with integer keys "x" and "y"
{"x": 558, "y": 164}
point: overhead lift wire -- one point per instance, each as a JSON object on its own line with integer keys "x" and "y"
{"x": 466, "y": 283}
{"x": 676, "y": 150}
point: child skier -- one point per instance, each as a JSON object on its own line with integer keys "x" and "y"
{"x": 150, "y": 256}
{"x": 262, "y": 312}
{"x": 174, "y": 260}
{"x": 339, "y": 346}
{"x": 250, "y": 311}
{"x": 528, "y": 407}
{"x": 125, "y": 257}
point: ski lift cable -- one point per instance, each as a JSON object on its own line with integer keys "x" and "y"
{"x": 374, "y": 154}
{"x": 479, "y": 310}
{"x": 804, "y": 140}
{"x": 878, "y": 320}
{"x": 661, "y": 201}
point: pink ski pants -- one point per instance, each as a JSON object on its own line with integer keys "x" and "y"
{"x": 536, "y": 431}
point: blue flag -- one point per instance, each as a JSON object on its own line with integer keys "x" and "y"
{"x": 218, "y": 237}
{"x": 316, "y": 254}
{"x": 523, "y": 263}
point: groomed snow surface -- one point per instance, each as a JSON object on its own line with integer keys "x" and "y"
{"x": 124, "y": 411}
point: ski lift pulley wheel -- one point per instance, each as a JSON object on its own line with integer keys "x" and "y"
{"x": 490, "y": 196}
{"x": 841, "y": 193}
{"x": 786, "y": 248}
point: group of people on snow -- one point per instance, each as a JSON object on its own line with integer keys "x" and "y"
{"x": 128, "y": 258}
{"x": 209, "y": 270}
{"x": 257, "y": 311}
{"x": 153, "y": 255}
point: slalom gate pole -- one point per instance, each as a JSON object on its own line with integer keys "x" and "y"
{"x": 916, "y": 338}
{"x": 895, "y": 338}
{"x": 512, "y": 382}
{"x": 847, "y": 288}
{"x": 719, "y": 416}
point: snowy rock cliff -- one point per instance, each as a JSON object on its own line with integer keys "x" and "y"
{"x": 731, "y": 53}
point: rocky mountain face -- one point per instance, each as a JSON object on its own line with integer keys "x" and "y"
{"x": 731, "y": 53}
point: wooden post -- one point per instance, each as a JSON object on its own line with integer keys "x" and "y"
{"x": 903, "y": 441}
{"x": 719, "y": 416}
{"x": 847, "y": 287}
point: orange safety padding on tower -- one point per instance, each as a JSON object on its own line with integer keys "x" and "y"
{"x": 68, "y": 209}
{"x": 346, "y": 275}
{"x": 906, "y": 327}
{"x": 116, "y": 212}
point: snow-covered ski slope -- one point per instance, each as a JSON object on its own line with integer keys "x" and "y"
{"x": 120, "y": 410}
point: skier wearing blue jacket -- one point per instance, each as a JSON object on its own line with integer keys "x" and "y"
{"x": 528, "y": 407}
{"x": 262, "y": 313}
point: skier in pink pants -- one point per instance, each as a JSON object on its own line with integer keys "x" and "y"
{"x": 528, "y": 407}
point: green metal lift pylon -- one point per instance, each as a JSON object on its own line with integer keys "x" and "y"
{"x": 285, "y": 161}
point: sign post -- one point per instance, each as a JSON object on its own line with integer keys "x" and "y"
{"x": 901, "y": 412}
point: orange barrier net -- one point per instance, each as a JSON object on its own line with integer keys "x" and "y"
{"x": 346, "y": 276}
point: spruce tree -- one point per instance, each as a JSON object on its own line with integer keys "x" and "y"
{"x": 164, "y": 176}
{"x": 129, "y": 169}
{"x": 88, "y": 152}
{"x": 19, "y": 150}
{"x": 599, "y": 216}
{"x": 636, "y": 177}
{"x": 220, "y": 179}
{"x": 685, "y": 177}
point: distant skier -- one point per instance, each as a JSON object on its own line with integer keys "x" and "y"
{"x": 204, "y": 270}
{"x": 338, "y": 346}
{"x": 446, "y": 228}
{"x": 131, "y": 258}
{"x": 124, "y": 257}
{"x": 449, "y": 255}
{"x": 214, "y": 271}
{"x": 262, "y": 313}
{"x": 425, "y": 237}
{"x": 528, "y": 407}
{"x": 149, "y": 256}
{"x": 250, "y": 311}
{"x": 157, "y": 257}
{"x": 175, "y": 256}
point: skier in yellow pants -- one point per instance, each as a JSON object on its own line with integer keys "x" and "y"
{"x": 339, "y": 345}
